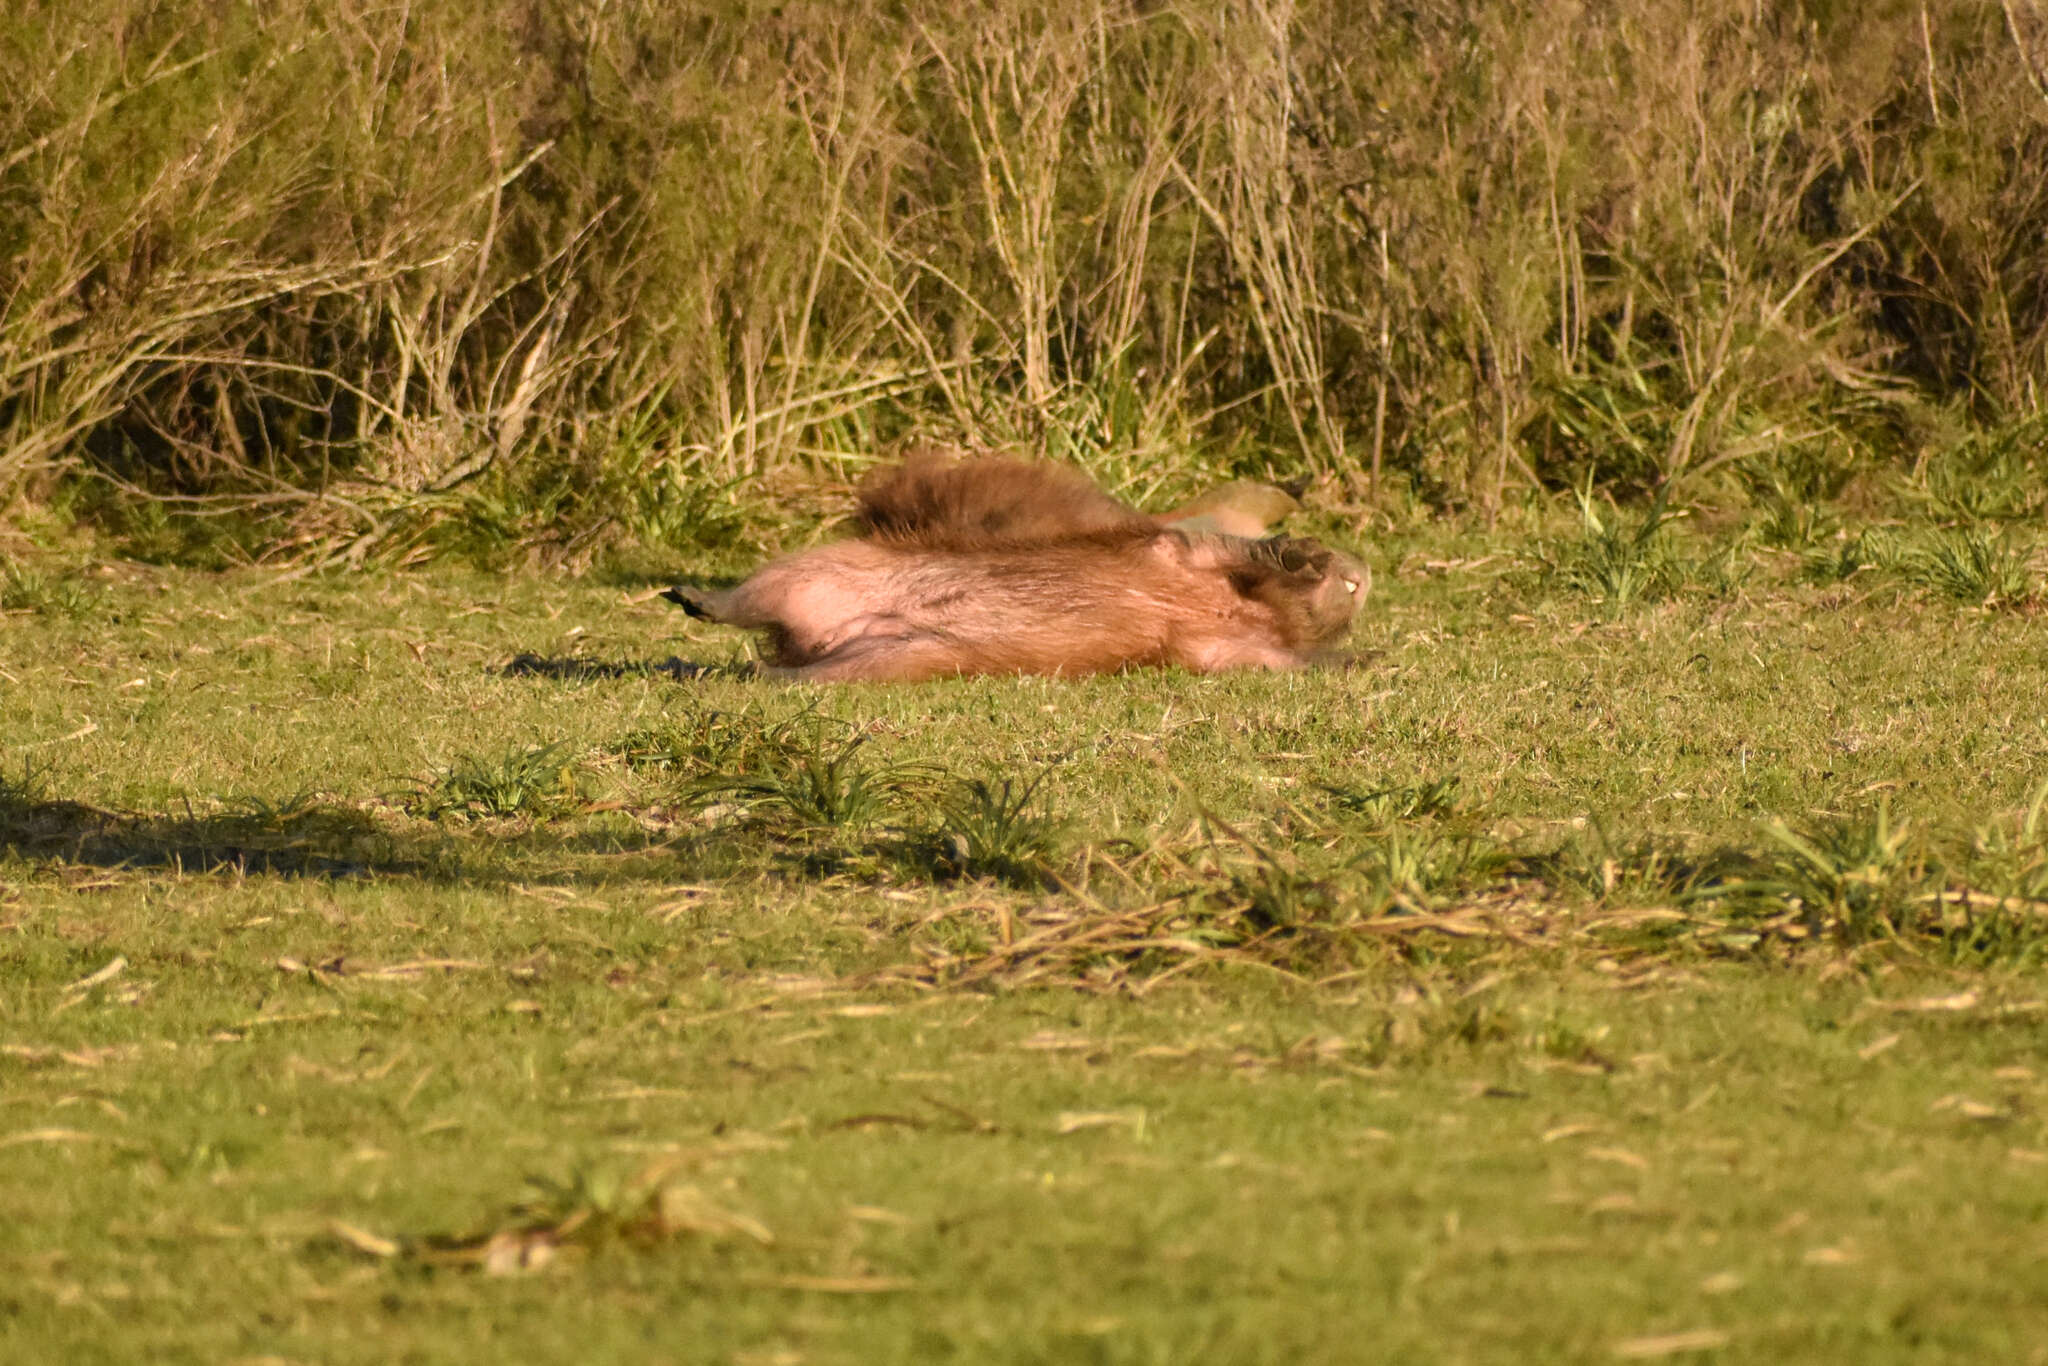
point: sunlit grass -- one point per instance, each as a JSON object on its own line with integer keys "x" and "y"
{"x": 1581, "y": 972}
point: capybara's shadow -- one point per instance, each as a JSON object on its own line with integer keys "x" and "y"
{"x": 576, "y": 669}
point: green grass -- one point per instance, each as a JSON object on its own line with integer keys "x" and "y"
{"x": 1579, "y": 978}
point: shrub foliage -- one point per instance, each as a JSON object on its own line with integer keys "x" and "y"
{"x": 350, "y": 263}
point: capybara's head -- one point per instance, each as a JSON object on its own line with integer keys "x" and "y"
{"x": 1313, "y": 589}
{"x": 1341, "y": 585}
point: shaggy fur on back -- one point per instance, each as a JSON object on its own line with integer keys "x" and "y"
{"x": 937, "y": 503}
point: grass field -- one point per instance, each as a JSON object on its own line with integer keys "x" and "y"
{"x": 1634, "y": 950}
{"x": 1637, "y": 953}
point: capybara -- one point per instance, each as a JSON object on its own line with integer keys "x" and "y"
{"x": 998, "y": 566}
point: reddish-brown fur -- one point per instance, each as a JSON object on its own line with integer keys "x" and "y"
{"x": 998, "y": 566}
{"x": 939, "y": 503}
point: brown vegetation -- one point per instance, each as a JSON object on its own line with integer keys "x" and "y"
{"x": 550, "y": 267}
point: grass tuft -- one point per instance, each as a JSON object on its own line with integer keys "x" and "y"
{"x": 1621, "y": 561}
{"x": 987, "y": 828}
{"x": 526, "y": 780}
{"x": 816, "y": 781}
{"x": 1857, "y": 878}
{"x": 1973, "y": 565}
{"x": 1391, "y": 805}
{"x": 1992, "y": 475}
{"x": 62, "y": 595}
{"x": 1793, "y": 497}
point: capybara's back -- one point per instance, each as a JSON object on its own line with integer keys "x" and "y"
{"x": 938, "y": 502}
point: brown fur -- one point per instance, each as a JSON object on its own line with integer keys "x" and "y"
{"x": 938, "y": 503}
{"x": 999, "y": 566}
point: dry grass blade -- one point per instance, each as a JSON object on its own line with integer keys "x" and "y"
{"x": 1659, "y": 1345}
{"x": 1076, "y": 1121}
{"x": 1127, "y": 949}
{"x": 363, "y": 1241}
{"x": 837, "y": 1285}
{"x": 51, "y": 1135}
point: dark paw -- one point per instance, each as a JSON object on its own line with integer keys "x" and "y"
{"x": 689, "y": 600}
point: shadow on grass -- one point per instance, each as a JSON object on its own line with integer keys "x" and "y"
{"x": 571, "y": 668}
{"x": 322, "y": 841}
{"x": 335, "y": 841}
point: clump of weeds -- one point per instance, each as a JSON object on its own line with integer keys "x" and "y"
{"x": 1856, "y": 879}
{"x": 1794, "y": 497}
{"x": 707, "y": 741}
{"x": 63, "y": 595}
{"x": 1972, "y": 565}
{"x": 814, "y": 780}
{"x": 536, "y": 781}
{"x": 1397, "y": 802}
{"x": 1992, "y": 475}
{"x": 990, "y": 828}
{"x": 1621, "y": 561}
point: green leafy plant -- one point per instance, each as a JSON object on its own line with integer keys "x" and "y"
{"x": 1412, "y": 866}
{"x": 1618, "y": 561}
{"x": 1856, "y": 878}
{"x": 1971, "y": 565}
{"x": 522, "y": 781}
{"x": 1989, "y": 475}
{"x": 1389, "y": 805}
{"x": 1277, "y": 893}
{"x": 2013, "y": 851}
{"x": 1649, "y": 868}
{"x": 707, "y": 740}
{"x": 1793, "y": 495}
{"x": 28, "y": 590}
{"x": 987, "y": 828}
{"x": 1850, "y": 555}
{"x": 815, "y": 781}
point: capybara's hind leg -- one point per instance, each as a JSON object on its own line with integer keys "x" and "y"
{"x": 878, "y": 659}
